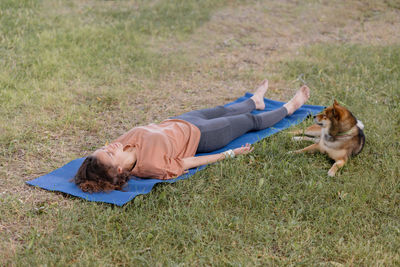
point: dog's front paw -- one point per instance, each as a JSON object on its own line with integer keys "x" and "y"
{"x": 305, "y": 138}
{"x": 331, "y": 173}
{"x": 297, "y": 138}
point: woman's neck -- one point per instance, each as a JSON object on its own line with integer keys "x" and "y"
{"x": 131, "y": 158}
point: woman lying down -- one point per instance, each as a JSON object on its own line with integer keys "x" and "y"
{"x": 166, "y": 150}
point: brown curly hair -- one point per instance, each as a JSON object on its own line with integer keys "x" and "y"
{"x": 93, "y": 176}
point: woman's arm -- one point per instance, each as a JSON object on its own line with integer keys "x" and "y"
{"x": 193, "y": 162}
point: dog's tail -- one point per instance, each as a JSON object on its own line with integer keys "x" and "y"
{"x": 360, "y": 124}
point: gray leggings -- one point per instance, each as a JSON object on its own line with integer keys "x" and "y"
{"x": 220, "y": 125}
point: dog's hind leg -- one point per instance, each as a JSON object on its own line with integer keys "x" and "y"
{"x": 336, "y": 166}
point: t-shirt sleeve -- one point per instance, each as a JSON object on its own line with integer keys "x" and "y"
{"x": 165, "y": 168}
{"x": 173, "y": 168}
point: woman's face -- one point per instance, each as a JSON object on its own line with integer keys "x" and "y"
{"x": 115, "y": 156}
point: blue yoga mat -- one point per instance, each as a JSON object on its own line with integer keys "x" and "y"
{"x": 59, "y": 180}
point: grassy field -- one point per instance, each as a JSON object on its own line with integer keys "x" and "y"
{"x": 75, "y": 74}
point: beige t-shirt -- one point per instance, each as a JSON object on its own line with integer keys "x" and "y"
{"x": 161, "y": 147}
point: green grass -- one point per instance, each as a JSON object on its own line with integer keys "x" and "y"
{"x": 71, "y": 77}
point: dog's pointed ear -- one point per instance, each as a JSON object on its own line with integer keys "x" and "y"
{"x": 335, "y": 103}
{"x": 335, "y": 112}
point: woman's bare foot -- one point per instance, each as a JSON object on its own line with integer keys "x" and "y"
{"x": 258, "y": 96}
{"x": 301, "y": 96}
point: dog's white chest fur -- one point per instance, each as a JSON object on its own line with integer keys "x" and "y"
{"x": 331, "y": 146}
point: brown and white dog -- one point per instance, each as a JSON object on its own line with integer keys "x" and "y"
{"x": 337, "y": 133}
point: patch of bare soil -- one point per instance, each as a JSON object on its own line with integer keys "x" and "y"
{"x": 239, "y": 46}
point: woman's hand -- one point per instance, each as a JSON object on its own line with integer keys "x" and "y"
{"x": 243, "y": 150}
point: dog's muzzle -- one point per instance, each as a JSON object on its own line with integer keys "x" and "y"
{"x": 317, "y": 122}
